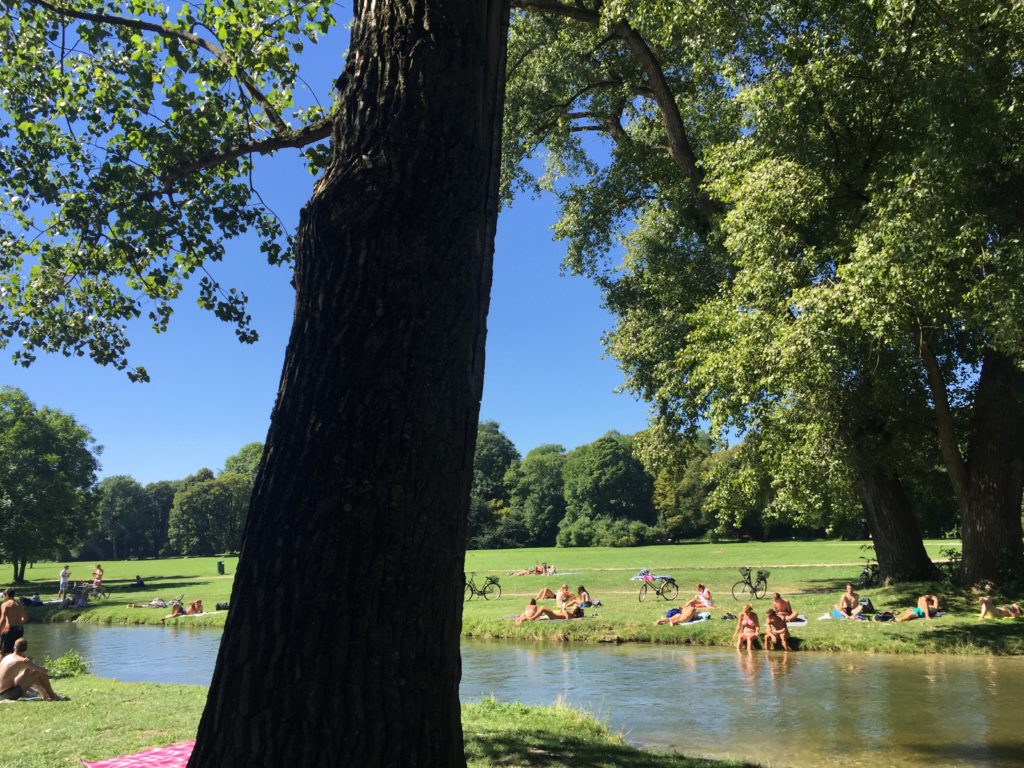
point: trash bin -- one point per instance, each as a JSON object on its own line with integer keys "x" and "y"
{"x": 220, "y": 567}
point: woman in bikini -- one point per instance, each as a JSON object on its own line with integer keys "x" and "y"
{"x": 998, "y": 612}
{"x": 747, "y": 627}
{"x": 534, "y": 612}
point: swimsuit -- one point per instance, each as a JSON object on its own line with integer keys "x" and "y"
{"x": 12, "y": 694}
{"x": 8, "y": 636}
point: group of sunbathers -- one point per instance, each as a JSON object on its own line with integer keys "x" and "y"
{"x": 567, "y": 604}
{"x": 539, "y": 569}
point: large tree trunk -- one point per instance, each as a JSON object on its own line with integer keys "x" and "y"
{"x": 342, "y": 644}
{"x": 990, "y": 499}
{"x": 894, "y": 531}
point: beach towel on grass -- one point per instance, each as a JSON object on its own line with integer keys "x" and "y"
{"x": 172, "y": 756}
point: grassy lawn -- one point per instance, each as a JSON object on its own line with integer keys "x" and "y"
{"x": 106, "y": 718}
{"x": 811, "y": 574}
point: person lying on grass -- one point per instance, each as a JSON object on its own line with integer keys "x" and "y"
{"x": 775, "y": 630}
{"x": 927, "y": 607}
{"x": 679, "y": 615}
{"x": 988, "y": 610}
{"x": 532, "y": 612}
{"x": 19, "y": 674}
{"x": 176, "y": 611}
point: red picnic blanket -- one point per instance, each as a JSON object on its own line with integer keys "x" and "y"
{"x": 171, "y": 756}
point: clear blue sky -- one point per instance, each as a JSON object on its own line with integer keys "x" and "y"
{"x": 545, "y": 380}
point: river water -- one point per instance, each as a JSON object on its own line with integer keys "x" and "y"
{"x": 798, "y": 709}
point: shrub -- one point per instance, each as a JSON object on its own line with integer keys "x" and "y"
{"x": 71, "y": 664}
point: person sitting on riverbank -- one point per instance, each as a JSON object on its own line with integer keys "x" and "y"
{"x": 566, "y": 604}
{"x": 748, "y": 627}
{"x": 19, "y": 674}
{"x": 195, "y": 607}
{"x": 702, "y": 598}
{"x": 989, "y": 611}
{"x": 927, "y": 606}
{"x": 678, "y": 615}
{"x": 583, "y": 598}
{"x": 775, "y": 630}
{"x": 849, "y": 606}
{"x": 532, "y": 612}
{"x": 783, "y": 608}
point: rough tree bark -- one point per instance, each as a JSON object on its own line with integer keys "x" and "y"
{"x": 868, "y": 435}
{"x": 992, "y": 480}
{"x": 894, "y": 530}
{"x": 342, "y": 645}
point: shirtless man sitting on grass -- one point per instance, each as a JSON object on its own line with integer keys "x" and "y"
{"x": 849, "y": 604}
{"x": 783, "y": 607}
{"x": 18, "y": 673}
{"x": 775, "y": 630}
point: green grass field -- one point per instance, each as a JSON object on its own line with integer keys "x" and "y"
{"x": 106, "y": 718}
{"x": 810, "y": 574}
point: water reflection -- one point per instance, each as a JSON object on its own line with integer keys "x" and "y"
{"x": 778, "y": 709}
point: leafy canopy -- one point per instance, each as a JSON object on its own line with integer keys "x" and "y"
{"x": 126, "y": 135}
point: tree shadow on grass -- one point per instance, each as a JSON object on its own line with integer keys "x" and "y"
{"x": 996, "y": 636}
{"x": 548, "y": 751}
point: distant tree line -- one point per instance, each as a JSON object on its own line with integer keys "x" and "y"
{"x": 628, "y": 490}
{"x": 52, "y": 507}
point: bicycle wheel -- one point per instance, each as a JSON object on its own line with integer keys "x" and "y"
{"x": 491, "y": 591}
{"x": 669, "y": 590}
{"x": 643, "y": 591}
{"x": 738, "y": 589}
{"x": 469, "y": 592}
{"x": 760, "y": 588}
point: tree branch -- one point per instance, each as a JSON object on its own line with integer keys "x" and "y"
{"x": 681, "y": 149}
{"x": 551, "y": 6}
{"x": 300, "y": 138}
{"x": 175, "y": 34}
{"x": 955, "y": 464}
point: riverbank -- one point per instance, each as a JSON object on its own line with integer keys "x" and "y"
{"x": 106, "y": 718}
{"x": 810, "y": 574}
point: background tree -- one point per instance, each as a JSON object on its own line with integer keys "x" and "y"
{"x": 125, "y": 518}
{"x": 537, "y": 493}
{"x": 490, "y": 525}
{"x": 778, "y": 177}
{"x": 608, "y": 495}
{"x": 161, "y": 499}
{"x": 207, "y": 516}
{"x": 246, "y": 461}
{"x": 48, "y": 465}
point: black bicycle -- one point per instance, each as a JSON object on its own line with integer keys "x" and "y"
{"x": 869, "y": 576}
{"x": 663, "y": 586}
{"x": 490, "y": 589}
{"x": 757, "y": 587}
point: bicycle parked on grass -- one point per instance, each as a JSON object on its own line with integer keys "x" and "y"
{"x": 869, "y": 576}
{"x": 490, "y": 589}
{"x": 757, "y": 587}
{"x": 87, "y": 590}
{"x": 663, "y": 586}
